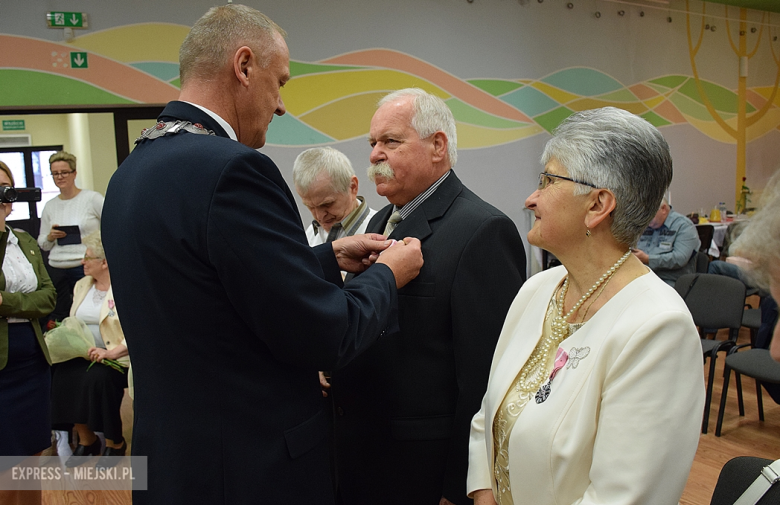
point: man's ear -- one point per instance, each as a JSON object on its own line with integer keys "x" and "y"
{"x": 243, "y": 59}
{"x": 602, "y": 203}
{"x": 353, "y": 186}
{"x": 439, "y": 141}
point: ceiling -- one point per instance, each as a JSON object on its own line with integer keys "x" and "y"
{"x": 761, "y": 5}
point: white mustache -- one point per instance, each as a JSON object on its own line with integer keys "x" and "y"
{"x": 382, "y": 169}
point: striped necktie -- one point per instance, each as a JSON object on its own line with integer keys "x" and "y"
{"x": 395, "y": 218}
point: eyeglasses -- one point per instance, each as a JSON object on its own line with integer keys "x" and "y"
{"x": 62, "y": 174}
{"x": 90, "y": 258}
{"x": 546, "y": 179}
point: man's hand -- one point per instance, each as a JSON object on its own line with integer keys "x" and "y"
{"x": 358, "y": 252}
{"x": 484, "y": 497}
{"x": 324, "y": 385}
{"x": 405, "y": 260}
{"x": 643, "y": 257}
{"x": 445, "y": 501}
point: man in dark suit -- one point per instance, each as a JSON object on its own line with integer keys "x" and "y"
{"x": 404, "y": 408}
{"x": 228, "y": 312}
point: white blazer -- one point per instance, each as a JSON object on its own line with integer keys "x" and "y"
{"x": 622, "y": 424}
{"x": 110, "y": 328}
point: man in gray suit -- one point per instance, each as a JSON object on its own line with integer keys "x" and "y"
{"x": 404, "y": 408}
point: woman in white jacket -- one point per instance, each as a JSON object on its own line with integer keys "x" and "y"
{"x": 596, "y": 389}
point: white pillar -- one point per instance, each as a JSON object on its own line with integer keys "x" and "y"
{"x": 78, "y": 126}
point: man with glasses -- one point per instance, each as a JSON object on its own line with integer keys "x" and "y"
{"x": 669, "y": 244}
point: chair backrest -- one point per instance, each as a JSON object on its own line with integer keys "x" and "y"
{"x": 705, "y": 231}
{"x": 736, "y": 476}
{"x": 715, "y": 301}
{"x": 702, "y": 262}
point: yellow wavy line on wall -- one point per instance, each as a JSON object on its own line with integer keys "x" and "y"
{"x": 308, "y": 92}
{"x": 757, "y": 130}
{"x": 654, "y": 102}
{"x": 766, "y": 92}
{"x": 471, "y": 136}
{"x": 711, "y": 128}
{"x": 150, "y": 42}
{"x": 344, "y": 119}
{"x": 764, "y": 125}
{"x": 556, "y": 94}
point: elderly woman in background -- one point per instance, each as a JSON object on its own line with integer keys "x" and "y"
{"x": 760, "y": 243}
{"x": 73, "y": 207}
{"x": 26, "y": 293}
{"x": 91, "y": 399}
{"x": 596, "y": 389}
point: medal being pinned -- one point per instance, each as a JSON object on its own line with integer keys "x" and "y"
{"x": 544, "y": 392}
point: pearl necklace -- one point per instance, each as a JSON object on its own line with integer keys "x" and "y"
{"x": 532, "y": 377}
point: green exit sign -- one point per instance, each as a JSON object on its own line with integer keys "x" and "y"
{"x": 13, "y": 124}
{"x": 67, "y": 19}
{"x": 78, "y": 60}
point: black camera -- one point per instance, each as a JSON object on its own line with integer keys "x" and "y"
{"x": 11, "y": 195}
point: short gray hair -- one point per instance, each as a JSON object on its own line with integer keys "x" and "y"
{"x": 312, "y": 162}
{"x": 614, "y": 149}
{"x": 94, "y": 242}
{"x": 219, "y": 33}
{"x": 760, "y": 240}
{"x": 430, "y": 114}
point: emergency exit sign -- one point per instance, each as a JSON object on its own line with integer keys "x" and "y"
{"x": 67, "y": 19}
{"x": 13, "y": 124}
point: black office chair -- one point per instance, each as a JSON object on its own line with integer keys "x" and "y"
{"x": 736, "y": 476}
{"x": 705, "y": 231}
{"x": 755, "y": 363}
{"x": 715, "y": 301}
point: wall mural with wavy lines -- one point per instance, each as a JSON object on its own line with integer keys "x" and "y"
{"x": 333, "y": 99}
{"x": 510, "y": 70}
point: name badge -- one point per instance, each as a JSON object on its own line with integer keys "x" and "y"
{"x": 665, "y": 246}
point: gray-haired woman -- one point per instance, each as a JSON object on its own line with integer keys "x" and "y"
{"x": 760, "y": 243}
{"x": 596, "y": 388}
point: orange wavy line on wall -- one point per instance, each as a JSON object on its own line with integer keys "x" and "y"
{"x": 386, "y": 58}
{"x": 34, "y": 54}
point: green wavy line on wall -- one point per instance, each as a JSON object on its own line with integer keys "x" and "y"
{"x": 669, "y": 81}
{"x": 550, "y": 120}
{"x": 583, "y": 81}
{"x": 690, "y": 107}
{"x": 621, "y": 95}
{"x": 655, "y": 120}
{"x": 724, "y": 100}
{"x": 23, "y": 87}
{"x": 465, "y": 113}
{"x": 288, "y": 130}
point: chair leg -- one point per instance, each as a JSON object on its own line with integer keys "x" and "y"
{"x": 708, "y": 396}
{"x": 760, "y": 399}
{"x": 738, "y": 380}
{"x": 724, "y": 393}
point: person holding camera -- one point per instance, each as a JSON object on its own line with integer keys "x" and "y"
{"x": 26, "y": 293}
{"x": 73, "y": 214}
